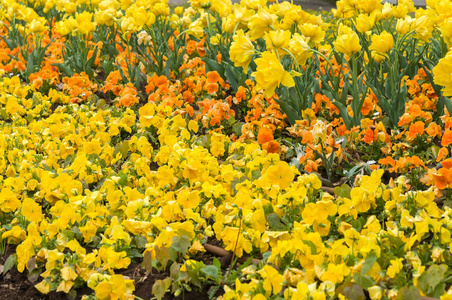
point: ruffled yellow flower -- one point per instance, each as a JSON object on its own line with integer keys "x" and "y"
{"x": 442, "y": 74}
{"x": 242, "y": 50}
{"x": 260, "y": 23}
{"x": 276, "y": 40}
{"x": 299, "y": 47}
{"x": 270, "y": 73}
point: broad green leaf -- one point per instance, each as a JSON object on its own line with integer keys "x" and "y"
{"x": 237, "y": 128}
{"x": 181, "y": 243}
{"x": 211, "y": 271}
{"x": 364, "y": 281}
{"x": 159, "y": 288}
{"x": 124, "y": 149}
{"x": 9, "y": 263}
{"x": 274, "y": 222}
{"x": 409, "y": 293}
{"x": 343, "y": 191}
{"x": 368, "y": 263}
{"x": 432, "y": 277}
{"x": 354, "y": 292}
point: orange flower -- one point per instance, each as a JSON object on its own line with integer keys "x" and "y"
{"x": 443, "y": 152}
{"x": 214, "y": 77}
{"x": 188, "y": 97}
{"x": 308, "y": 138}
{"x": 311, "y": 166}
{"x": 447, "y": 138}
{"x": 444, "y": 176}
{"x": 388, "y": 161}
{"x": 369, "y": 136}
{"x": 219, "y": 58}
{"x": 240, "y": 95}
{"x": 433, "y": 129}
{"x": 272, "y": 147}
{"x": 341, "y": 130}
{"x": 416, "y": 129}
{"x": 265, "y": 135}
{"x": 211, "y": 87}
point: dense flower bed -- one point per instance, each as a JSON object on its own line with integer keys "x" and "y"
{"x": 313, "y": 147}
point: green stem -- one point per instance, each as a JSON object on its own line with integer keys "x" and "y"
{"x": 355, "y": 103}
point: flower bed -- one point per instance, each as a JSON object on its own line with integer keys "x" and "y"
{"x": 246, "y": 151}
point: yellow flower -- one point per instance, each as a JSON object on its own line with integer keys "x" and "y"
{"x": 347, "y": 44}
{"x": 364, "y": 23}
{"x": 38, "y": 26}
{"x": 31, "y": 210}
{"x": 103, "y": 290}
{"x": 370, "y": 5}
{"x": 242, "y": 50}
{"x": 424, "y": 27}
{"x": 276, "y": 40}
{"x": 446, "y": 31}
{"x": 85, "y": 24}
{"x": 403, "y": 25}
{"x": 43, "y": 286}
{"x": 273, "y": 281}
{"x": 229, "y": 237}
{"x": 375, "y": 292}
{"x": 335, "y": 273}
{"x": 260, "y": 23}
{"x": 270, "y": 73}
{"x": 395, "y": 267}
{"x": 299, "y": 47}
{"x": 280, "y": 174}
{"x": 314, "y": 34}
{"x": 193, "y": 126}
{"x": 382, "y": 42}
{"x": 442, "y": 74}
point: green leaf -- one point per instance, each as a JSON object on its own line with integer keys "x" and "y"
{"x": 30, "y": 66}
{"x": 312, "y": 246}
{"x": 147, "y": 261}
{"x": 3, "y": 114}
{"x": 368, "y": 263}
{"x": 121, "y": 72}
{"x": 159, "y": 288}
{"x": 181, "y": 244}
{"x": 237, "y": 128}
{"x": 255, "y": 174}
{"x": 343, "y": 191}
{"x": 409, "y": 293}
{"x": 33, "y": 276}
{"x": 438, "y": 291}
{"x": 354, "y": 292}
{"x": 124, "y": 149}
{"x": 364, "y": 281}
{"x": 64, "y": 68}
{"x": 211, "y": 271}
{"x": 90, "y": 62}
{"x": 344, "y": 113}
{"x": 275, "y": 222}
{"x": 229, "y": 73}
{"x": 217, "y": 263}
{"x": 286, "y": 102}
{"x": 140, "y": 241}
{"x": 432, "y": 277}
{"x": 213, "y": 65}
{"x": 9, "y": 263}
